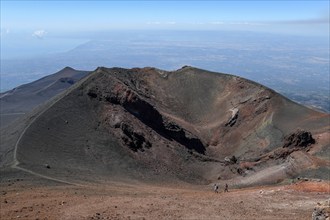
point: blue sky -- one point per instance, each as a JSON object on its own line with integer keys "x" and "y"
{"x": 59, "y": 17}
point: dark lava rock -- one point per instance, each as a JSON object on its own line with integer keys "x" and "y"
{"x": 299, "y": 138}
{"x": 232, "y": 121}
{"x": 134, "y": 140}
{"x": 321, "y": 211}
{"x": 67, "y": 80}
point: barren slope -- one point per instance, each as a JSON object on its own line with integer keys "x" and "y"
{"x": 152, "y": 125}
{"x": 23, "y": 99}
{"x": 142, "y": 201}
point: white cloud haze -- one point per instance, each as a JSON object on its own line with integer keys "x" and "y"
{"x": 39, "y": 34}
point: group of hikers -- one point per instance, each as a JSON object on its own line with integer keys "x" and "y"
{"x": 216, "y": 188}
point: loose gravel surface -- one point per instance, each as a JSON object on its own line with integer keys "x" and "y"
{"x": 21, "y": 199}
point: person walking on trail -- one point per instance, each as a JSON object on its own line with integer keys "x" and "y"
{"x": 226, "y": 187}
{"x": 215, "y": 188}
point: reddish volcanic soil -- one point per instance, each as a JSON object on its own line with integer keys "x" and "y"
{"x": 21, "y": 200}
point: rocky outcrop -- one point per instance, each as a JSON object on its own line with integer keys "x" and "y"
{"x": 299, "y": 138}
{"x": 232, "y": 121}
{"x": 322, "y": 211}
{"x": 134, "y": 140}
{"x": 68, "y": 80}
{"x": 120, "y": 94}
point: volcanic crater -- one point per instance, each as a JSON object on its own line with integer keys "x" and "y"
{"x": 188, "y": 125}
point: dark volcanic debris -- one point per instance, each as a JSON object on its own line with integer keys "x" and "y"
{"x": 299, "y": 138}
{"x": 120, "y": 94}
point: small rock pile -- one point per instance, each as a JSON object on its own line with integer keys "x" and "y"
{"x": 322, "y": 211}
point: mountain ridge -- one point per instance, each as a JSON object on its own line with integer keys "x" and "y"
{"x": 197, "y": 120}
{"x": 24, "y": 98}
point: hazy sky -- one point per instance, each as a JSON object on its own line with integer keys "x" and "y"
{"x": 60, "y": 17}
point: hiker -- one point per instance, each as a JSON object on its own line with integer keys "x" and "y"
{"x": 226, "y": 187}
{"x": 215, "y": 188}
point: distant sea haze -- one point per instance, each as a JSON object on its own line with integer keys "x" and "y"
{"x": 297, "y": 67}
